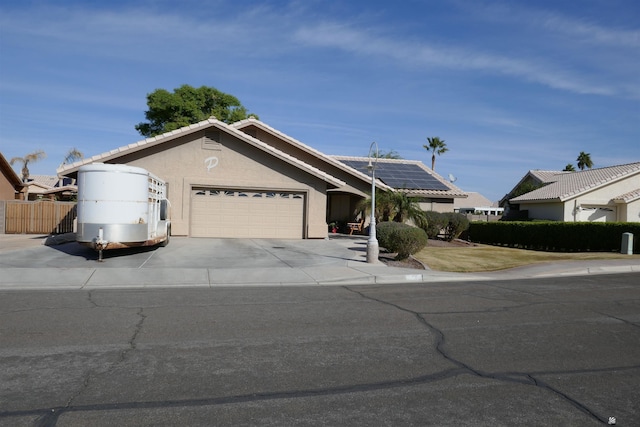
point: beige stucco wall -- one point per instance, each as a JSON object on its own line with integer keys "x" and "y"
{"x": 232, "y": 163}
{"x": 632, "y": 213}
{"x": 7, "y": 191}
{"x": 353, "y": 185}
{"x": 549, "y": 211}
{"x": 437, "y": 206}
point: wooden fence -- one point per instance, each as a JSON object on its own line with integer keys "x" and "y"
{"x": 39, "y": 217}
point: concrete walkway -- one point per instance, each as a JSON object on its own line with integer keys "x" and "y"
{"x": 43, "y": 262}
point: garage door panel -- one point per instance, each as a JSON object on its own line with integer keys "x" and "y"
{"x": 246, "y": 214}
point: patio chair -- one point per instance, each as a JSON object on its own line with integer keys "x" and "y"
{"x": 355, "y": 226}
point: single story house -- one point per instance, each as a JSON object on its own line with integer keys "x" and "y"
{"x": 609, "y": 194}
{"x": 250, "y": 180}
{"x": 11, "y": 185}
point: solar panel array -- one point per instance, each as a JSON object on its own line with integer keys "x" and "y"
{"x": 400, "y": 175}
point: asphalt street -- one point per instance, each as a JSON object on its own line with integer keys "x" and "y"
{"x": 546, "y": 351}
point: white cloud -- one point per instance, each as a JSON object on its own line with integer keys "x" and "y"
{"x": 423, "y": 54}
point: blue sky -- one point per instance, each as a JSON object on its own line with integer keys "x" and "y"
{"x": 509, "y": 85}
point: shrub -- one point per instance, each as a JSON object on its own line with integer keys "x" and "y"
{"x": 400, "y": 238}
{"x": 555, "y": 236}
{"x": 456, "y": 224}
{"x": 435, "y": 223}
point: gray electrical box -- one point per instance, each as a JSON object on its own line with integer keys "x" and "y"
{"x": 627, "y": 244}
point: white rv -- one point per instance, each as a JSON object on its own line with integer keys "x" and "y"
{"x": 121, "y": 206}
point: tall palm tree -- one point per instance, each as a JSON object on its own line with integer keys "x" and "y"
{"x": 73, "y": 155}
{"x": 584, "y": 161}
{"x": 437, "y": 146}
{"x": 29, "y": 158}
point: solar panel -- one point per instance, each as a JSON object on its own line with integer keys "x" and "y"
{"x": 401, "y": 175}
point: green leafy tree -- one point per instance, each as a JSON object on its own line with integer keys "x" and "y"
{"x": 436, "y": 146}
{"x": 569, "y": 168}
{"x": 29, "y": 158}
{"x": 584, "y": 161}
{"x": 188, "y": 105}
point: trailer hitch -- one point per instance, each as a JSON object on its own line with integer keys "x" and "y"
{"x": 100, "y": 244}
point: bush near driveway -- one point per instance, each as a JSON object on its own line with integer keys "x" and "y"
{"x": 402, "y": 239}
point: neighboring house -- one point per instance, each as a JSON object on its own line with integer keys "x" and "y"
{"x": 477, "y": 204}
{"x": 11, "y": 186}
{"x": 603, "y": 194}
{"x": 245, "y": 180}
{"x": 50, "y": 187}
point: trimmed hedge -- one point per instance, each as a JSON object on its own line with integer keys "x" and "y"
{"x": 556, "y": 236}
{"x": 400, "y": 238}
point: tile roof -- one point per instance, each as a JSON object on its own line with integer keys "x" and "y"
{"x": 545, "y": 176}
{"x": 43, "y": 180}
{"x": 211, "y": 122}
{"x": 564, "y": 186}
{"x": 251, "y": 121}
{"x": 628, "y": 197}
{"x": 473, "y": 200}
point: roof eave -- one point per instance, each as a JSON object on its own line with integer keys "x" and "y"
{"x": 307, "y": 149}
{"x": 187, "y": 130}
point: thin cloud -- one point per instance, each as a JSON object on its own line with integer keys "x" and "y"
{"x": 579, "y": 29}
{"x": 369, "y": 44}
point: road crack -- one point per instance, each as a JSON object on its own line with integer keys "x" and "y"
{"x": 50, "y": 419}
{"x": 513, "y": 377}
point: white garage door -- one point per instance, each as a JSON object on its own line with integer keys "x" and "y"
{"x": 246, "y": 214}
{"x": 597, "y": 214}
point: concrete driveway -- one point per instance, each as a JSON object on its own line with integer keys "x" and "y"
{"x": 195, "y": 262}
{"x": 26, "y": 263}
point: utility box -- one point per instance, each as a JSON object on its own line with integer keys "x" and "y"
{"x": 627, "y": 244}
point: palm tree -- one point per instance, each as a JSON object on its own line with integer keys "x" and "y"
{"x": 569, "y": 168}
{"x": 437, "y": 146}
{"x": 391, "y": 154}
{"x": 29, "y": 158}
{"x": 584, "y": 161}
{"x": 406, "y": 208}
{"x": 394, "y": 206}
{"x": 73, "y": 155}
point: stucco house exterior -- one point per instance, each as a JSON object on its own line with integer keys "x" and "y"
{"x": 246, "y": 179}
{"x": 11, "y": 185}
{"x": 610, "y": 194}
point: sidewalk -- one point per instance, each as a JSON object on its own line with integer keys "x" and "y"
{"x": 26, "y": 263}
